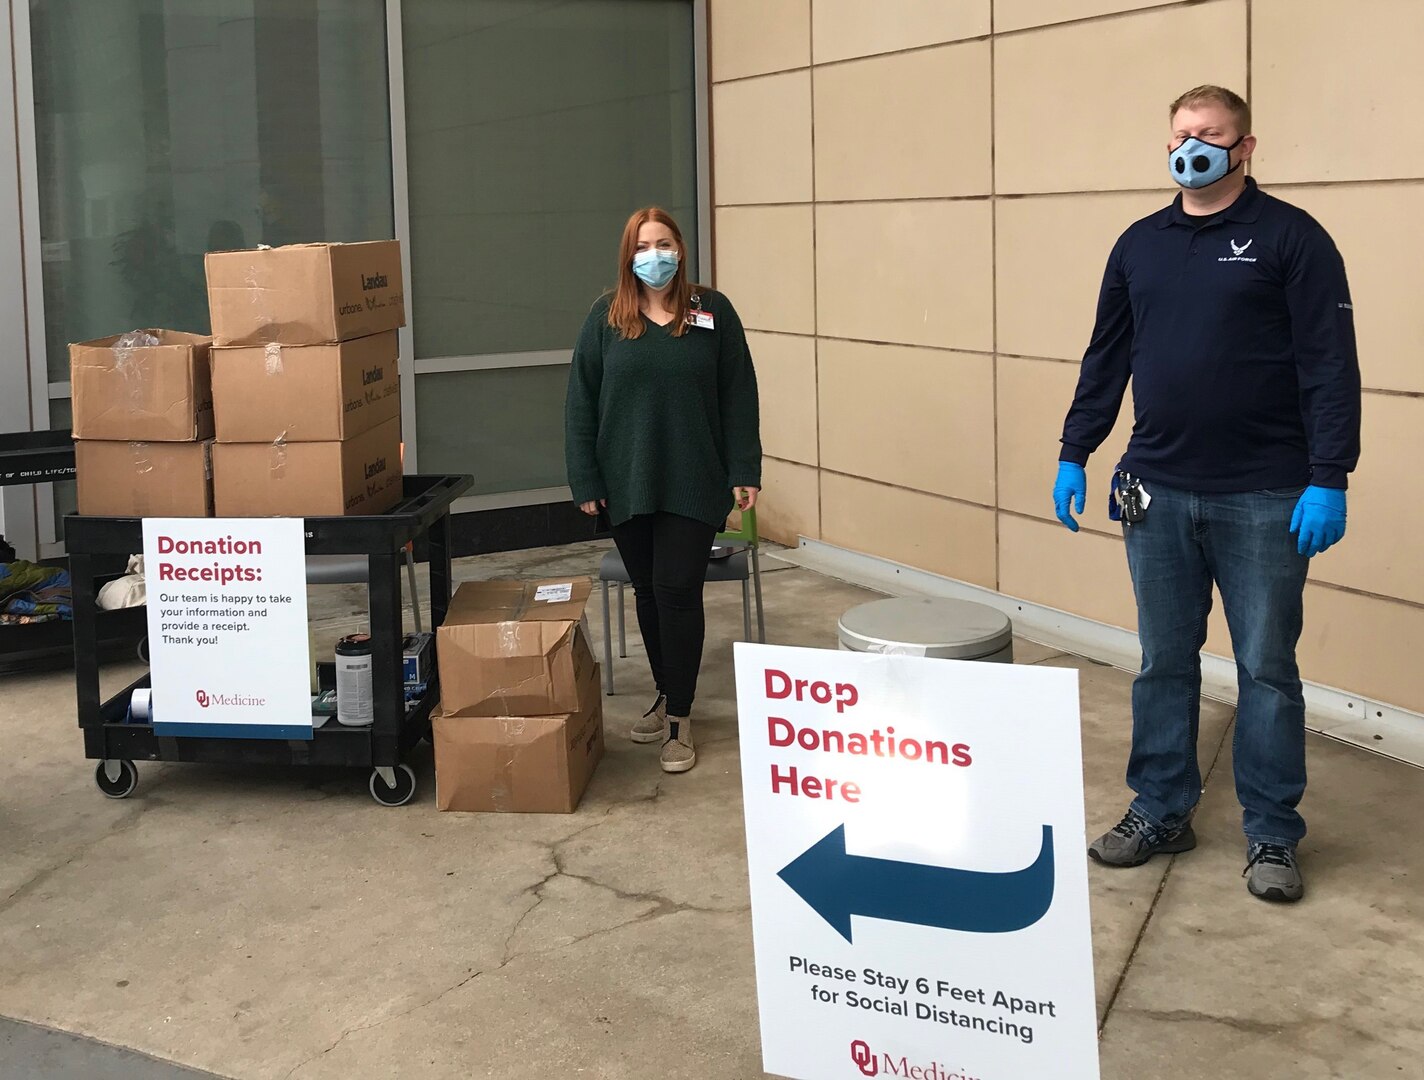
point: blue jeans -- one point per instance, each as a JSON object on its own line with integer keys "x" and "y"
{"x": 1243, "y": 543}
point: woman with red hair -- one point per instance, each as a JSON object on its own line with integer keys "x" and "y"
{"x": 663, "y": 432}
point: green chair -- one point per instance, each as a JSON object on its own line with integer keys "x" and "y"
{"x": 744, "y": 565}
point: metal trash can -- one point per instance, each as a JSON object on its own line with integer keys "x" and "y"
{"x": 927, "y": 626}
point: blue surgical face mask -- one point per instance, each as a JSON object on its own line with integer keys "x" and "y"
{"x": 655, "y": 267}
{"x": 1197, "y": 164}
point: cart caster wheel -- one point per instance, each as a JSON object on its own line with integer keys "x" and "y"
{"x": 120, "y": 785}
{"x": 399, "y": 795}
{"x": 143, "y": 651}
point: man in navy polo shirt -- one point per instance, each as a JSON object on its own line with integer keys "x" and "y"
{"x": 1230, "y": 313}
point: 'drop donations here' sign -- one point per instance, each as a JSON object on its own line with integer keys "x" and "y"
{"x": 918, "y": 877}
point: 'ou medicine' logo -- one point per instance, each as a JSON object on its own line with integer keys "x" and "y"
{"x": 203, "y": 699}
{"x": 863, "y": 1058}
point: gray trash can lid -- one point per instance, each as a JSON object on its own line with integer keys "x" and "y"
{"x": 926, "y": 626}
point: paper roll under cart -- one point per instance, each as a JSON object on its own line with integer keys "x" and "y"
{"x": 117, "y": 740}
{"x": 929, "y": 626}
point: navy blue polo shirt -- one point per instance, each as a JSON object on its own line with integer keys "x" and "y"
{"x": 1238, "y": 334}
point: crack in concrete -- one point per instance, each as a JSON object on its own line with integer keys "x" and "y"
{"x": 359, "y": 1028}
{"x": 1046, "y": 659}
{"x": 661, "y": 906}
{"x": 1157, "y": 896}
{"x": 125, "y": 823}
{"x": 1236, "y": 1023}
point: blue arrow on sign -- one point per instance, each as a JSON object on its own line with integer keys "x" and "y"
{"x": 838, "y": 885}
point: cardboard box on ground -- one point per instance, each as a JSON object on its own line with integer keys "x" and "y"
{"x": 520, "y": 723}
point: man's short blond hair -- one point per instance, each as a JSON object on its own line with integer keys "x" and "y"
{"x": 1216, "y": 95}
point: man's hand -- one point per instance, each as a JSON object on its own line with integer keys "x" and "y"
{"x": 592, "y": 508}
{"x": 746, "y": 497}
{"x": 1319, "y": 520}
{"x": 1069, "y": 490}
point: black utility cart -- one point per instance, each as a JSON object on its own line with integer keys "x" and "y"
{"x": 43, "y": 457}
{"x": 117, "y": 742}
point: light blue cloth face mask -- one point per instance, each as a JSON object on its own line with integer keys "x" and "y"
{"x": 1198, "y": 164}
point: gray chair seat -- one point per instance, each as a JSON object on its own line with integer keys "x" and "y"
{"x": 735, "y": 567}
{"x": 356, "y": 570}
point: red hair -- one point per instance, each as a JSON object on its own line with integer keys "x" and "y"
{"x": 625, "y": 312}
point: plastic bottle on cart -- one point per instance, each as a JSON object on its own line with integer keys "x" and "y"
{"x": 355, "y": 702}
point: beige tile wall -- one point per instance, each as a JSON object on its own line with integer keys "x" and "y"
{"x": 949, "y": 178}
{"x": 873, "y": 142}
{"x": 918, "y": 273}
{"x": 753, "y": 37}
{"x": 920, "y": 418}
{"x": 1368, "y": 56}
{"x": 845, "y": 28}
{"x": 1082, "y": 106}
{"x": 1019, "y": 14}
{"x": 765, "y": 120}
{"x": 786, "y": 382}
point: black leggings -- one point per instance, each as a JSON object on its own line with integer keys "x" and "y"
{"x": 666, "y": 556}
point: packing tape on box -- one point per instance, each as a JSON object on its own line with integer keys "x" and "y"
{"x": 277, "y": 464}
{"x": 141, "y": 704}
{"x": 129, "y": 370}
{"x": 142, "y": 463}
{"x": 509, "y": 639}
{"x": 273, "y": 352}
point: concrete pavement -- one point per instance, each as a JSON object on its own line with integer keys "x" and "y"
{"x": 265, "y": 924}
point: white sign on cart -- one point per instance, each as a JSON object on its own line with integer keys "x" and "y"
{"x": 918, "y": 877}
{"x": 227, "y": 627}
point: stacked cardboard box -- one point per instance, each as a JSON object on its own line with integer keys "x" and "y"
{"x": 520, "y": 723}
{"x": 143, "y": 424}
{"x": 306, "y": 390}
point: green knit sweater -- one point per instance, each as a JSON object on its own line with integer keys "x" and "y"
{"x": 663, "y": 423}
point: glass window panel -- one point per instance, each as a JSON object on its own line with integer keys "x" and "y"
{"x": 191, "y": 125}
{"x": 534, "y": 128}
{"x": 506, "y": 426}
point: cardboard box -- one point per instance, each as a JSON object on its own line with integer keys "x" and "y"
{"x": 507, "y": 649}
{"x": 150, "y": 393}
{"x": 305, "y": 393}
{"x": 305, "y": 294}
{"x": 144, "y": 479}
{"x": 519, "y": 765}
{"x": 326, "y": 479}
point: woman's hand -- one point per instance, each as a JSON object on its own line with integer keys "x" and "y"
{"x": 746, "y": 497}
{"x": 592, "y": 508}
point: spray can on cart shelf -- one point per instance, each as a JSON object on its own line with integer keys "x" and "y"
{"x": 355, "y": 703}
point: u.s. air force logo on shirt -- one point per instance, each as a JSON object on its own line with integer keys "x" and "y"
{"x": 1238, "y": 252}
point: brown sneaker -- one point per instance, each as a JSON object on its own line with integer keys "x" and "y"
{"x": 652, "y": 727}
{"x": 678, "y": 753}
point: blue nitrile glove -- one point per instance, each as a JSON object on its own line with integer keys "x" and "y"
{"x": 1070, "y": 489}
{"x": 1319, "y": 519}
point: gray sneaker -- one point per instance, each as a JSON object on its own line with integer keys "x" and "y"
{"x": 678, "y": 753}
{"x": 652, "y": 726}
{"x": 1134, "y": 840}
{"x": 1272, "y": 873}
